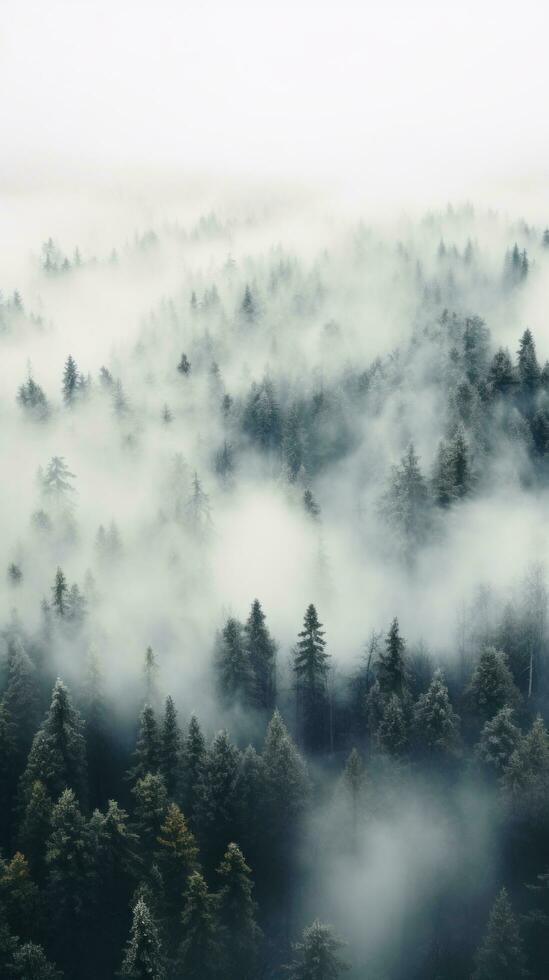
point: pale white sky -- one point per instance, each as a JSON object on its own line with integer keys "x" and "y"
{"x": 411, "y": 95}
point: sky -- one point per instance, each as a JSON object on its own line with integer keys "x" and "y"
{"x": 393, "y": 100}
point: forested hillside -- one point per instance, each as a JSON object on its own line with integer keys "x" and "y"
{"x": 274, "y": 646}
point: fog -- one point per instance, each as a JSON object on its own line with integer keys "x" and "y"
{"x": 365, "y": 172}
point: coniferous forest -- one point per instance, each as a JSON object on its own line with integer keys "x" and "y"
{"x": 274, "y": 663}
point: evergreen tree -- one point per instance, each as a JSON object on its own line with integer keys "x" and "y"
{"x": 500, "y": 955}
{"x": 248, "y": 307}
{"x": 198, "y": 510}
{"x": 144, "y": 959}
{"x": 232, "y": 661}
{"x": 35, "y": 828}
{"x": 526, "y": 777}
{"x": 262, "y": 655}
{"x": 391, "y": 666}
{"x": 56, "y": 482}
{"x": 193, "y": 760}
{"x": 20, "y": 899}
{"x": 436, "y": 726}
{"x": 199, "y": 953}
{"x": 501, "y": 375}
{"x": 70, "y": 381}
{"x": 311, "y": 671}
{"x": 492, "y": 686}
{"x": 498, "y": 740}
{"x": 58, "y": 754}
{"x": 30, "y": 963}
{"x": 170, "y": 749}
{"x": 150, "y": 671}
{"x": 217, "y": 797}
{"x": 316, "y": 956}
{"x": 184, "y": 366}
{"x": 33, "y": 400}
{"x": 147, "y": 748}
{"x": 406, "y": 505}
{"x": 69, "y": 859}
{"x": 241, "y": 936}
{"x": 528, "y": 367}
{"x": 177, "y": 858}
{"x": 151, "y": 806}
{"x": 354, "y": 781}
{"x": 392, "y": 732}
{"x": 60, "y": 592}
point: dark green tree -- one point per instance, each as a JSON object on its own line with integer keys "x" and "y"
{"x": 144, "y": 957}
{"x": 500, "y": 955}
{"x": 170, "y": 749}
{"x": 57, "y": 757}
{"x": 316, "y": 956}
{"x": 311, "y": 665}
{"x": 200, "y": 950}
{"x": 240, "y": 934}
{"x": 262, "y": 656}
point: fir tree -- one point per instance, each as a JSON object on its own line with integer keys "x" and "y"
{"x": 241, "y": 936}
{"x": 528, "y": 367}
{"x": 193, "y": 758}
{"x": 406, "y": 505}
{"x": 248, "y": 307}
{"x": 311, "y": 671}
{"x": 184, "y": 366}
{"x": 392, "y": 732}
{"x": 30, "y": 963}
{"x": 150, "y": 671}
{"x": 35, "y": 828}
{"x": 144, "y": 959}
{"x": 177, "y": 858}
{"x": 60, "y": 593}
{"x": 500, "y": 955}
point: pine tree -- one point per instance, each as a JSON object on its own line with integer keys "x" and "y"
{"x": 499, "y": 738}
{"x": 436, "y": 725}
{"x": 33, "y": 400}
{"x": 248, "y": 307}
{"x": 193, "y": 758}
{"x": 391, "y": 668}
{"x": 170, "y": 749}
{"x": 199, "y": 952}
{"x": 144, "y": 959}
{"x": 198, "y": 510}
{"x": 20, "y": 898}
{"x": 30, "y": 963}
{"x": 526, "y": 776}
{"x": 316, "y": 956}
{"x": 240, "y": 933}
{"x": 70, "y": 381}
{"x": 500, "y": 955}
{"x": 58, "y": 754}
{"x": 311, "y": 671}
{"x": 20, "y": 701}
{"x": 232, "y": 662}
{"x": 56, "y": 482}
{"x": 184, "y": 366}
{"x": 501, "y": 375}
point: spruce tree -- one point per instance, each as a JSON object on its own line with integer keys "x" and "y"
{"x": 199, "y": 952}
{"x": 60, "y": 593}
{"x": 58, "y": 753}
{"x": 30, "y": 963}
{"x": 143, "y": 959}
{"x": 435, "y": 723}
{"x": 151, "y": 806}
{"x": 193, "y": 760}
{"x": 316, "y": 956}
{"x": 241, "y": 936}
{"x": 498, "y": 740}
{"x": 147, "y": 747}
{"x": 170, "y": 749}
{"x": 70, "y": 381}
{"x": 35, "y": 828}
{"x": 392, "y": 733}
{"x": 500, "y": 955}
{"x": 177, "y": 858}
{"x": 311, "y": 671}
{"x": 232, "y": 661}
{"x": 406, "y": 504}
{"x": 491, "y": 687}
{"x": 391, "y": 666}
{"x": 217, "y": 798}
{"x": 262, "y": 655}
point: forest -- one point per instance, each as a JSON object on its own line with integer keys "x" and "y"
{"x": 274, "y": 643}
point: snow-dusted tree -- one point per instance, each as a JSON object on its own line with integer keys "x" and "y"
{"x": 498, "y": 740}
{"x": 144, "y": 958}
{"x": 435, "y": 723}
{"x": 58, "y": 753}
